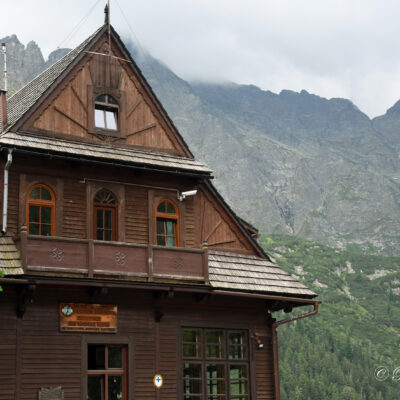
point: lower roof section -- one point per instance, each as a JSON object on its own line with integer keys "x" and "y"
{"x": 111, "y": 153}
{"x": 10, "y": 260}
{"x": 247, "y": 273}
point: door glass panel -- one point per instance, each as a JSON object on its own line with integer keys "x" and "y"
{"x": 115, "y": 357}
{"x": 96, "y": 357}
{"x": 34, "y": 213}
{"x": 114, "y": 387}
{"x": 95, "y": 389}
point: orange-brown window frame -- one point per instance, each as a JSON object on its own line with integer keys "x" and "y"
{"x": 106, "y": 207}
{"x": 41, "y": 203}
{"x": 167, "y": 216}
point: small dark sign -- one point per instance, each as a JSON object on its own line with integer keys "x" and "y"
{"x": 97, "y": 318}
{"x": 53, "y": 393}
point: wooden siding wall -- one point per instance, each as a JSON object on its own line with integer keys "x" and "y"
{"x": 74, "y": 209}
{"x": 191, "y": 220}
{"x": 51, "y": 358}
{"x": 202, "y": 217}
{"x": 8, "y": 345}
{"x": 136, "y": 218}
{"x": 13, "y": 202}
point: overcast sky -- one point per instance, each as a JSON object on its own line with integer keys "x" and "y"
{"x": 332, "y": 48}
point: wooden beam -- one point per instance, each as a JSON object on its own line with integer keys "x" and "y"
{"x": 134, "y": 107}
{"x": 213, "y": 230}
{"x": 70, "y": 118}
{"x": 79, "y": 99}
{"x": 224, "y": 242}
{"x": 142, "y": 130}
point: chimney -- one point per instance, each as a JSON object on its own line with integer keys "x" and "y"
{"x": 3, "y": 94}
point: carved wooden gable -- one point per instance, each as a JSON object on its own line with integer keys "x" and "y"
{"x": 108, "y": 86}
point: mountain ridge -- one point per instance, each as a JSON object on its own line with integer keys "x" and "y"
{"x": 309, "y": 166}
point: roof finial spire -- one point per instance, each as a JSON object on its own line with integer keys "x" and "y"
{"x": 106, "y": 14}
{"x": 107, "y": 21}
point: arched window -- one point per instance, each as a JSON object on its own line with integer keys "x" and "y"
{"x": 41, "y": 211}
{"x": 106, "y": 113}
{"x": 167, "y": 219}
{"x": 105, "y": 222}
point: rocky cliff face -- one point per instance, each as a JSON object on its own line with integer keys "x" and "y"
{"x": 290, "y": 162}
{"x": 293, "y": 162}
{"x": 24, "y": 62}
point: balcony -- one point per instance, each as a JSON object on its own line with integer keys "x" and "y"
{"x": 107, "y": 260}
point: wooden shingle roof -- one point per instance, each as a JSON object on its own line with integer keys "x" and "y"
{"x": 10, "y": 260}
{"x": 233, "y": 271}
{"x": 102, "y": 152}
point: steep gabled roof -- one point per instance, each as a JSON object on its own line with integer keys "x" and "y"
{"x": 22, "y": 103}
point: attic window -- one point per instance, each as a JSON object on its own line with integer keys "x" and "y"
{"x": 106, "y": 113}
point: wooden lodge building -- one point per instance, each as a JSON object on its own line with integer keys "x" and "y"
{"x": 125, "y": 274}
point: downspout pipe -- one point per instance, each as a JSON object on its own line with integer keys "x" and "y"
{"x": 5, "y": 191}
{"x": 275, "y": 345}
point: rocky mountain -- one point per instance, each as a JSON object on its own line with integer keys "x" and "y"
{"x": 25, "y": 62}
{"x": 293, "y": 162}
{"x": 289, "y": 163}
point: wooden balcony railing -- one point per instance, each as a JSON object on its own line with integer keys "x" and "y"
{"x": 100, "y": 259}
